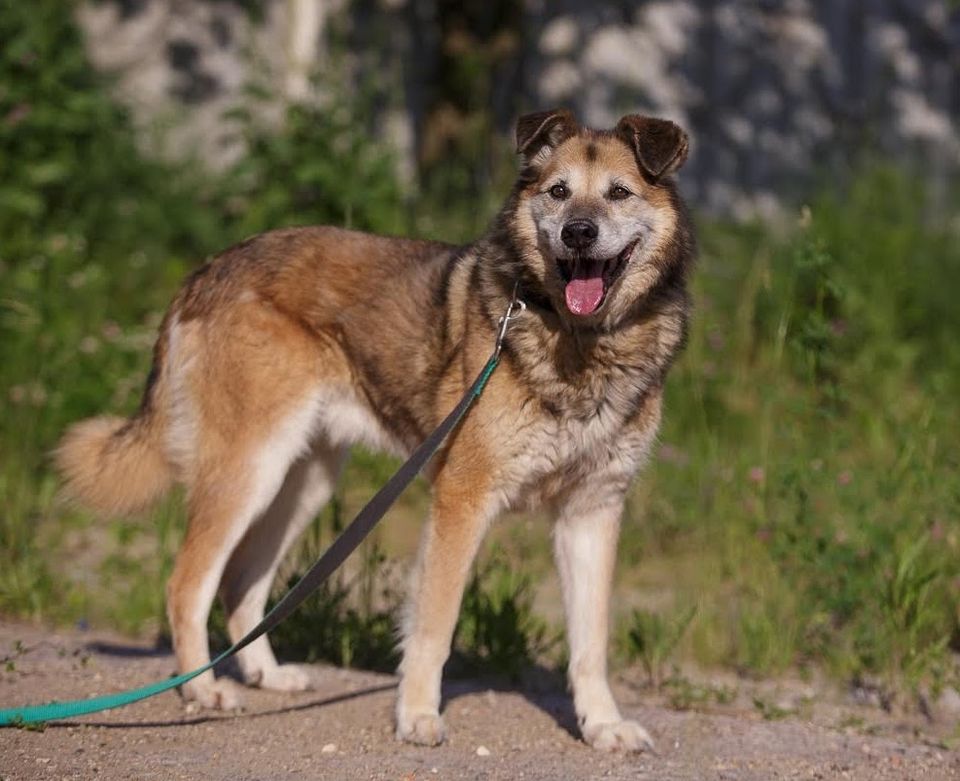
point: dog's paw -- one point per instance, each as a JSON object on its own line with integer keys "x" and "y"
{"x": 618, "y": 736}
{"x": 424, "y": 729}
{"x": 284, "y": 678}
{"x": 217, "y": 695}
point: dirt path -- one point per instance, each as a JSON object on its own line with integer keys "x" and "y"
{"x": 343, "y": 731}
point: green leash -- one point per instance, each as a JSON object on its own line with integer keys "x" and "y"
{"x": 325, "y": 566}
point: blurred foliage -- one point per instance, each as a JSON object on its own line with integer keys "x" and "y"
{"x": 318, "y": 169}
{"x": 802, "y": 510}
{"x": 807, "y": 479}
{"x": 94, "y": 239}
{"x": 350, "y": 620}
{"x": 498, "y": 630}
{"x": 84, "y": 222}
{"x": 653, "y": 638}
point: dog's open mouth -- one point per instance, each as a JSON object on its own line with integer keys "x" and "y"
{"x": 588, "y": 280}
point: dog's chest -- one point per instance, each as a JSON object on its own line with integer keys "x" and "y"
{"x": 554, "y": 453}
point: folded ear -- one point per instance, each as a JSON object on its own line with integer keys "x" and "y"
{"x": 545, "y": 129}
{"x": 660, "y": 146}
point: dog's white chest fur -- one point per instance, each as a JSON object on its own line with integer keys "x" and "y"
{"x": 555, "y": 455}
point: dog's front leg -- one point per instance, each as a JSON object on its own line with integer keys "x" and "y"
{"x": 459, "y": 516}
{"x": 585, "y": 545}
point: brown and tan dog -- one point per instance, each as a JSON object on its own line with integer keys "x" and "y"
{"x": 290, "y": 347}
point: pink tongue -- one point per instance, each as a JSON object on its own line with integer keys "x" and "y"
{"x": 584, "y": 294}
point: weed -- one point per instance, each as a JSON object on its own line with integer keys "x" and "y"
{"x": 653, "y": 638}
{"x": 34, "y": 726}
{"x": 916, "y": 635}
{"x": 771, "y": 711}
{"x": 852, "y": 721}
{"x": 498, "y": 631}
{"x": 9, "y": 661}
{"x": 350, "y": 621}
{"x": 684, "y": 694}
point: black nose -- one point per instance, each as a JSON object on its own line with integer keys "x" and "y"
{"x": 579, "y": 234}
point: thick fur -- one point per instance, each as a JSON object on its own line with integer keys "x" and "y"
{"x": 290, "y": 347}
{"x": 112, "y": 465}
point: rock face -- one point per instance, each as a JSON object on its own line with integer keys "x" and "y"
{"x": 184, "y": 64}
{"x": 776, "y": 93}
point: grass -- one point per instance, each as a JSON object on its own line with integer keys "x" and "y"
{"x": 653, "y": 638}
{"x": 352, "y": 619}
{"x": 802, "y": 509}
{"x": 806, "y": 479}
{"x": 499, "y": 631}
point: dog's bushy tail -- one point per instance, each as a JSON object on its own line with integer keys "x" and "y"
{"x": 113, "y": 466}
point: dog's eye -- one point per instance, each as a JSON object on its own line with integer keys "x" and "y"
{"x": 618, "y": 193}
{"x": 559, "y": 191}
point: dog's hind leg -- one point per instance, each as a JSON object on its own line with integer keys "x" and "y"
{"x": 585, "y": 545}
{"x": 253, "y": 565}
{"x": 225, "y": 499}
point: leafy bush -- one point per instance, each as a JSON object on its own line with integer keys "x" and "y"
{"x": 317, "y": 168}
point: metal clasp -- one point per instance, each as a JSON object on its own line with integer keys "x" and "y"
{"x": 516, "y": 307}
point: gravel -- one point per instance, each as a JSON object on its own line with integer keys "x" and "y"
{"x": 343, "y": 730}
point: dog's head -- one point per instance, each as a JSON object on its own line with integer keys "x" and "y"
{"x": 595, "y": 215}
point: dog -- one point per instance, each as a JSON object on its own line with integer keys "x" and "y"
{"x": 285, "y": 350}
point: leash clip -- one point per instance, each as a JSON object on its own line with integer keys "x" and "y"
{"x": 515, "y": 308}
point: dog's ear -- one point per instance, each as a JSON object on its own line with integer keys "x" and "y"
{"x": 544, "y": 130}
{"x": 660, "y": 146}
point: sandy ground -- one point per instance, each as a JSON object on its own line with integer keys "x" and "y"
{"x": 343, "y": 730}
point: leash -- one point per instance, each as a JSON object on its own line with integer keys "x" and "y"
{"x": 322, "y": 568}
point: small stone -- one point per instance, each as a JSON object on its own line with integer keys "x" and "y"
{"x": 330, "y": 748}
{"x": 483, "y": 751}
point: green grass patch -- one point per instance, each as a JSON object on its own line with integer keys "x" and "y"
{"x": 806, "y": 476}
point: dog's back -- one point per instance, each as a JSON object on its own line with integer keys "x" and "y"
{"x": 296, "y": 292}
